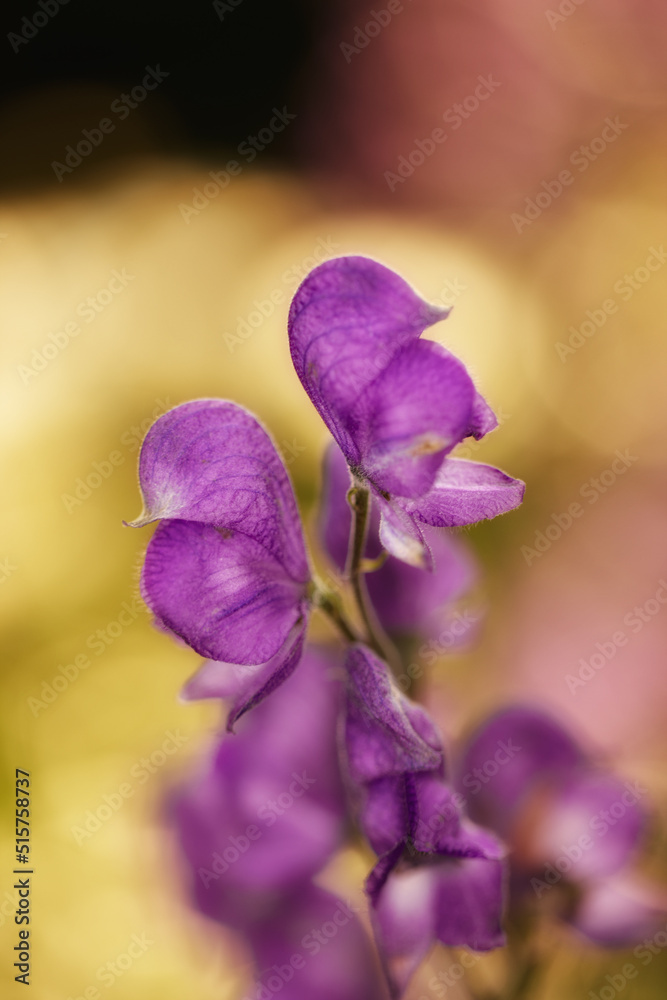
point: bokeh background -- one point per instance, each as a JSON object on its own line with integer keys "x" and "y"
{"x": 539, "y": 216}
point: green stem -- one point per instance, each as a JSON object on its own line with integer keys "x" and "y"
{"x": 359, "y": 500}
{"x": 329, "y": 604}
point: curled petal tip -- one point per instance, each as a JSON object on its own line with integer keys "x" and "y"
{"x": 140, "y": 522}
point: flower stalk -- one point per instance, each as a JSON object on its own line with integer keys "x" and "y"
{"x": 359, "y": 499}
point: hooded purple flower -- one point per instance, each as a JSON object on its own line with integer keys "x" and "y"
{"x": 226, "y": 569}
{"x": 266, "y": 812}
{"x": 438, "y": 876}
{"x": 395, "y": 404}
{"x": 407, "y": 600}
{"x": 569, "y": 822}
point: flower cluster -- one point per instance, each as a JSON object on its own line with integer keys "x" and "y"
{"x": 227, "y": 572}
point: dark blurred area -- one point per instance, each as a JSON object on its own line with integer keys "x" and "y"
{"x": 226, "y": 65}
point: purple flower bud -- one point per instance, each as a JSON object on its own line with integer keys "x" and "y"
{"x": 438, "y": 876}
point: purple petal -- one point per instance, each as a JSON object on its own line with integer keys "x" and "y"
{"x": 334, "y": 958}
{"x": 459, "y": 903}
{"x": 440, "y": 826}
{"x": 384, "y": 732}
{"x": 385, "y": 814}
{"x": 405, "y": 598}
{"x": 620, "y": 911}
{"x": 223, "y": 593}
{"x": 470, "y": 904}
{"x": 411, "y": 416}
{"x": 437, "y": 817}
{"x": 347, "y": 320}
{"x": 404, "y": 921}
{"x": 211, "y": 461}
{"x": 465, "y": 492}
{"x": 402, "y": 537}
{"x": 483, "y": 419}
{"x": 335, "y": 514}
{"x": 510, "y": 755}
{"x": 246, "y": 686}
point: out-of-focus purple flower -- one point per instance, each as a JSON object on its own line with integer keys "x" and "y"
{"x": 620, "y": 910}
{"x": 406, "y": 600}
{"x": 267, "y": 811}
{"x": 567, "y": 820}
{"x": 226, "y": 569}
{"x": 313, "y": 945}
{"x": 438, "y": 878}
{"x": 395, "y": 404}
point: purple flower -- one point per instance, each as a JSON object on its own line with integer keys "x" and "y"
{"x": 438, "y": 876}
{"x": 621, "y": 910}
{"x": 226, "y": 569}
{"x": 267, "y": 810}
{"x": 396, "y": 405}
{"x": 568, "y": 821}
{"x": 406, "y": 600}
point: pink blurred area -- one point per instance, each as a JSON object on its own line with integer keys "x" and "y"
{"x": 516, "y": 86}
{"x": 588, "y": 620}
